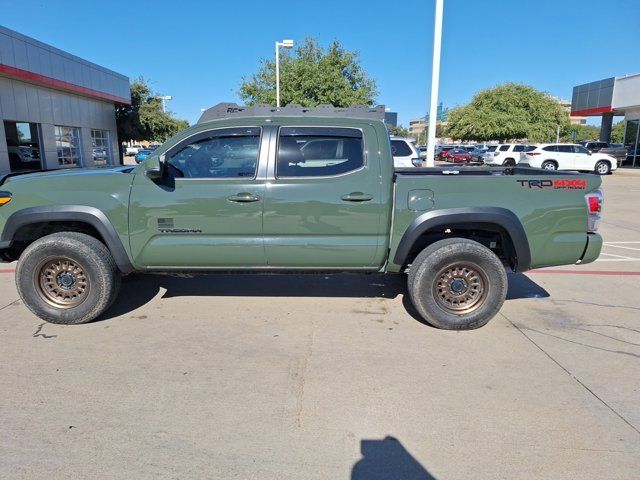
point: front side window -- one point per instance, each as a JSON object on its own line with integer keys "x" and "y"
{"x": 68, "y": 146}
{"x": 100, "y": 147}
{"x": 565, "y": 148}
{"x": 579, "y": 149}
{"x": 225, "y": 153}
{"x": 319, "y": 151}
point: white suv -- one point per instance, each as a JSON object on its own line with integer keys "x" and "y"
{"x": 405, "y": 154}
{"x": 506, "y": 154}
{"x": 563, "y": 156}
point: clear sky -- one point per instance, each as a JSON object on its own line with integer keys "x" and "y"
{"x": 199, "y": 51}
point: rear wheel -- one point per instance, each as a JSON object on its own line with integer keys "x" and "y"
{"x": 509, "y": 162}
{"x": 67, "y": 278}
{"x": 549, "y": 165}
{"x": 457, "y": 284}
{"x": 603, "y": 167}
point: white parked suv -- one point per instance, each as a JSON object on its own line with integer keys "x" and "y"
{"x": 405, "y": 154}
{"x": 505, "y": 154}
{"x": 133, "y": 149}
{"x": 563, "y": 156}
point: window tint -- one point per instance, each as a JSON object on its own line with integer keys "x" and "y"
{"x": 529, "y": 148}
{"x": 492, "y": 148}
{"x": 225, "y": 153}
{"x": 565, "y": 148}
{"x": 318, "y": 151}
{"x": 504, "y": 148}
{"x": 550, "y": 148}
{"x": 519, "y": 148}
{"x": 579, "y": 149}
{"x": 399, "y": 148}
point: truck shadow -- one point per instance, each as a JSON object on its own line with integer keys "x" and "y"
{"x": 138, "y": 290}
{"x": 387, "y": 459}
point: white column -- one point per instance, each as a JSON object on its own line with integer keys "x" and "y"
{"x": 435, "y": 79}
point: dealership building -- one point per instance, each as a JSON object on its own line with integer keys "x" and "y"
{"x": 608, "y": 98}
{"x": 57, "y": 110}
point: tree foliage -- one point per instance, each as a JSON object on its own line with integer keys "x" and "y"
{"x": 617, "y": 132}
{"x": 144, "y": 118}
{"x": 421, "y": 138}
{"x": 509, "y": 111}
{"x": 311, "y": 76}
{"x": 399, "y": 130}
{"x": 576, "y": 133}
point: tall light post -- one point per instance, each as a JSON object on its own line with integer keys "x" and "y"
{"x": 435, "y": 80}
{"x": 164, "y": 98}
{"x": 285, "y": 44}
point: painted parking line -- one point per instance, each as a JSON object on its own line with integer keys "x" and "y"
{"x": 628, "y": 248}
{"x": 586, "y": 272}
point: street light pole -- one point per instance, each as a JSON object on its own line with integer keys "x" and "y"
{"x": 435, "y": 79}
{"x": 286, "y": 44}
{"x": 163, "y": 98}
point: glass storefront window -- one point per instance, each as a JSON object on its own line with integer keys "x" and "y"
{"x": 632, "y": 142}
{"x": 68, "y": 146}
{"x": 100, "y": 147}
{"x": 23, "y": 146}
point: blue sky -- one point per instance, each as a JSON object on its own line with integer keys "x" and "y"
{"x": 199, "y": 51}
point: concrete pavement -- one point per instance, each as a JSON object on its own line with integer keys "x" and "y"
{"x": 333, "y": 377}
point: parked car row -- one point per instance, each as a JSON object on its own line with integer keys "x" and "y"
{"x": 143, "y": 153}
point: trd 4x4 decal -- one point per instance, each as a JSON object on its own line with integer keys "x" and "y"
{"x": 554, "y": 184}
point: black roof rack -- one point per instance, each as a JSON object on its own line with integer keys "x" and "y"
{"x": 233, "y": 110}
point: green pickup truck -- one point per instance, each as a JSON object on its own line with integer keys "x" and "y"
{"x": 288, "y": 193}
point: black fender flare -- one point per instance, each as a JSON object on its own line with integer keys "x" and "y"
{"x": 79, "y": 213}
{"x": 437, "y": 219}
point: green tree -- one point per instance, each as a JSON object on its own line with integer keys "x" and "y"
{"x": 311, "y": 76}
{"x": 576, "y": 133}
{"x": 144, "y": 118}
{"x": 617, "y": 132}
{"x": 399, "y": 130}
{"x": 509, "y": 111}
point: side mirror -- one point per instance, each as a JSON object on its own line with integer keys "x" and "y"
{"x": 153, "y": 167}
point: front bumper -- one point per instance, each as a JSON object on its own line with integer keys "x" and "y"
{"x": 594, "y": 246}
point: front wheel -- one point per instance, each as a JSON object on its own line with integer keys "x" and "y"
{"x": 603, "y": 167}
{"x": 457, "y": 284}
{"x": 67, "y": 278}
{"x": 509, "y": 162}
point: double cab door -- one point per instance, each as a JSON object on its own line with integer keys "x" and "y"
{"x": 264, "y": 196}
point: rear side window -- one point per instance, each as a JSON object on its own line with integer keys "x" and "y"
{"x": 318, "y": 151}
{"x": 565, "y": 148}
{"x": 550, "y": 148}
{"x": 519, "y": 148}
{"x": 504, "y": 148}
{"x": 529, "y": 148}
{"x": 492, "y": 148}
{"x": 400, "y": 148}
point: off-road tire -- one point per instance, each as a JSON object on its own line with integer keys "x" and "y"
{"x": 549, "y": 165}
{"x": 97, "y": 270}
{"x": 425, "y": 281}
{"x": 602, "y": 167}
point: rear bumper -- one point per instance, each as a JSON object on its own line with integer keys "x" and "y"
{"x": 592, "y": 251}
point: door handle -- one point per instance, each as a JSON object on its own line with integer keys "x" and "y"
{"x": 357, "y": 197}
{"x": 243, "y": 197}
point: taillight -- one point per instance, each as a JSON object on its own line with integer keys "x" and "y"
{"x": 532, "y": 153}
{"x": 594, "y": 202}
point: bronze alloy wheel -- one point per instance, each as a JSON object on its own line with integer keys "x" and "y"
{"x": 460, "y": 288}
{"x": 61, "y": 282}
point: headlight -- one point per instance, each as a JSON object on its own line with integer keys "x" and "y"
{"x": 5, "y": 197}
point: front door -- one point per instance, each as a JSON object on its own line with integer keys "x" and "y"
{"x": 324, "y": 205}
{"x": 583, "y": 158}
{"x": 566, "y": 157}
{"x": 207, "y": 211}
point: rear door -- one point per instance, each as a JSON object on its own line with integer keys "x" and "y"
{"x": 208, "y": 211}
{"x": 324, "y": 204}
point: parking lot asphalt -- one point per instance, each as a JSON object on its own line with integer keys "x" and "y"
{"x": 333, "y": 377}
